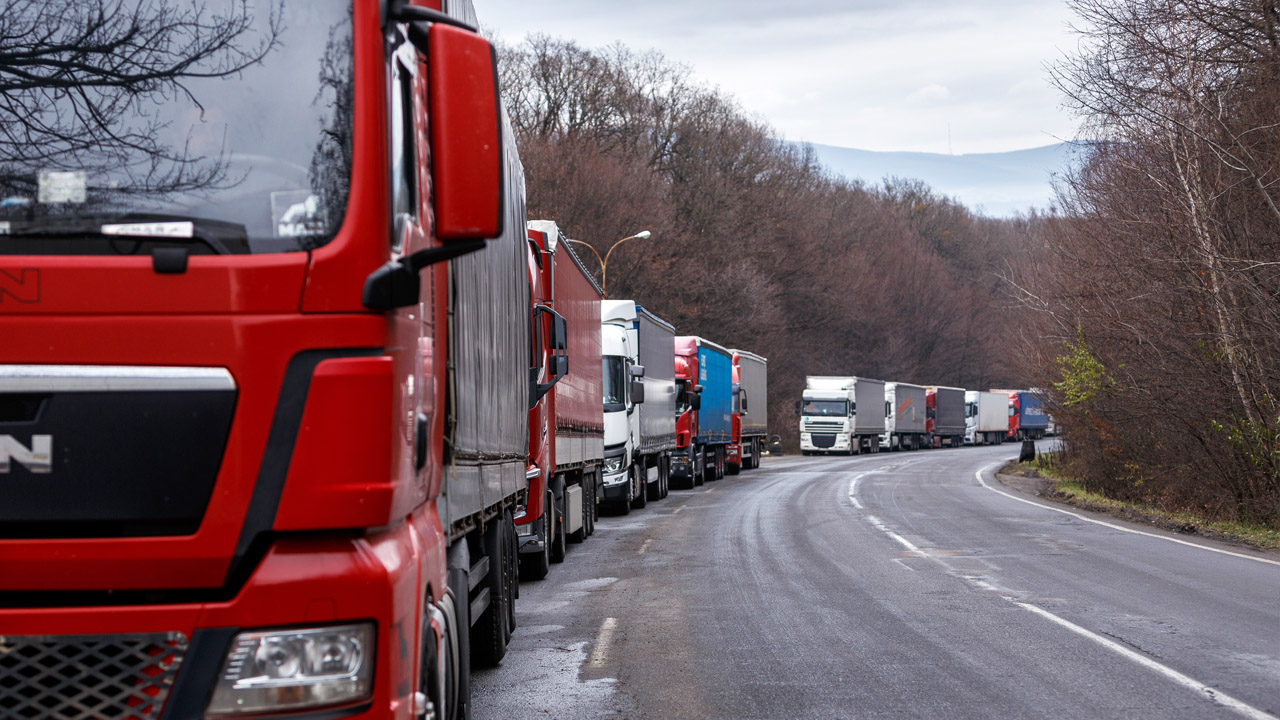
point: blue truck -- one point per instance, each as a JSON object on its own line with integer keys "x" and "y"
{"x": 704, "y": 409}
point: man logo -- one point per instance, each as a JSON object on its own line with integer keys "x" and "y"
{"x": 22, "y": 285}
{"x": 37, "y": 459}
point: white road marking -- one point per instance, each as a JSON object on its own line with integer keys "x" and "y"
{"x": 604, "y": 638}
{"x": 1113, "y": 526}
{"x": 1217, "y": 697}
{"x": 677, "y": 510}
{"x": 1213, "y": 695}
{"x": 885, "y": 529}
{"x": 708, "y": 490}
{"x": 853, "y": 490}
{"x": 645, "y": 546}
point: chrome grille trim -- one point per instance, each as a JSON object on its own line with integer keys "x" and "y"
{"x": 108, "y": 378}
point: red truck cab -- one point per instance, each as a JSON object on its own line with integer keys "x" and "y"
{"x": 685, "y": 462}
{"x": 224, "y": 385}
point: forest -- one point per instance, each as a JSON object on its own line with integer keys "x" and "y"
{"x": 1146, "y": 305}
{"x": 754, "y": 244}
{"x": 1152, "y": 304}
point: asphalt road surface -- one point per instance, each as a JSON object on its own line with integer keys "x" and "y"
{"x": 904, "y": 585}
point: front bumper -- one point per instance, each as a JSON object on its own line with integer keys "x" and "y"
{"x": 682, "y": 465}
{"x": 301, "y": 581}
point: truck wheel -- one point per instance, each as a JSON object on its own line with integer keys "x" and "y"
{"x": 558, "y": 539}
{"x": 458, "y": 669}
{"x": 664, "y": 475}
{"x": 580, "y": 534}
{"x": 641, "y": 485}
{"x": 698, "y": 471}
{"x": 490, "y": 632}
{"x": 536, "y": 566}
{"x": 593, "y": 506}
{"x": 652, "y": 490}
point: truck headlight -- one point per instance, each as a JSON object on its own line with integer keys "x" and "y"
{"x": 277, "y": 670}
{"x": 613, "y": 465}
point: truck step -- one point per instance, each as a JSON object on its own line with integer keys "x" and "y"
{"x": 477, "y": 573}
{"x": 479, "y": 605}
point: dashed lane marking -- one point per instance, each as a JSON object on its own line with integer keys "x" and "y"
{"x": 1213, "y": 695}
{"x": 644, "y": 547}
{"x": 604, "y": 638}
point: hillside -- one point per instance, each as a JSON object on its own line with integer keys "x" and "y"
{"x": 991, "y": 184}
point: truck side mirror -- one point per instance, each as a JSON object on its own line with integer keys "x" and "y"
{"x": 742, "y": 400}
{"x": 697, "y": 388}
{"x": 467, "y": 151}
{"x": 559, "y": 333}
{"x": 467, "y": 148}
{"x": 797, "y": 407}
{"x": 637, "y": 371}
{"x": 695, "y": 401}
{"x": 560, "y": 366}
{"x": 637, "y": 392}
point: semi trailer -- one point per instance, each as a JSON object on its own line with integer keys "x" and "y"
{"x": 320, "y": 327}
{"x": 566, "y": 421}
{"x": 945, "y": 422}
{"x": 750, "y": 411}
{"x": 905, "y": 413}
{"x": 639, "y": 403}
{"x": 841, "y": 415}
{"x": 704, "y": 410}
{"x": 1027, "y": 418}
{"x": 986, "y": 417}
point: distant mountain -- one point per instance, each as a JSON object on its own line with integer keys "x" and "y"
{"x": 991, "y": 184}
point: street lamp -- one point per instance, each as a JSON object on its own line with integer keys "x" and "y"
{"x": 604, "y": 261}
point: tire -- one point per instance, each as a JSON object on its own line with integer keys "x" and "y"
{"x": 664, "y": 472}
{"x": 593, "y": 506}
{"x": 536, "y": 567}
{"x": 731, "y": 469}
{"x": 699, "y": 471}
{"x": 460, "y": 666}
{"x": 490, "y": 633}
{"x": 638, "y": 481}
{"x": 653, "y": 491}
{"x": 558, "y": 536}
{"x": 581, "y": 533}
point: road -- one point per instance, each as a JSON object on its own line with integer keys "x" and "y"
{"x": 901, "y": 585}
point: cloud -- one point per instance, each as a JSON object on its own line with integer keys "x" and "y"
{"x": 874, "y": 74}
{"x": 929, "y": 95}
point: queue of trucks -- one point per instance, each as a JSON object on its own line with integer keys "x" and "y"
{"x": 298, "y": 466}
{"x": 302, "y": 473}
{"x": 852, "y": 415}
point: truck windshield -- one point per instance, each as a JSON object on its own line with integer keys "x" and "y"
{"x": 837, "y": 408}
{"x": 614, "y": 382}
{"x": 223, "y": 126}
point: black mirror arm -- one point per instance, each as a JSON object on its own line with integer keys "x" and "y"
{"x": 397, "y": 285}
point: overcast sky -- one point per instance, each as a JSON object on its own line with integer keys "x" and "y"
{"x": 869, "y": 74}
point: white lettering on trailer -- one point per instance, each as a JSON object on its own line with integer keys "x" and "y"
{"x": 38, "y": 458}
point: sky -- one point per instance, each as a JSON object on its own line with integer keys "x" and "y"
{"x": 941, "y": 76}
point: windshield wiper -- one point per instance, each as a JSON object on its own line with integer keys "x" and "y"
{"x": 222, "y": 238}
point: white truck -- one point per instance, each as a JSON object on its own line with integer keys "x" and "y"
{"x": 904, "y": 417}
{"x": 986, "y": 417}
{"x": 639, "y": 403}
{"x": 841, "y": 415}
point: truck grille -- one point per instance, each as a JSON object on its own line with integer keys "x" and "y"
{"x": 88, "y": 677}
{"x": 827, "y": 426}
{"x": 824, "y": 441}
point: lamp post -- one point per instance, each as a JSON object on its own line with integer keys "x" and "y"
{"x": 604, "y": 261}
